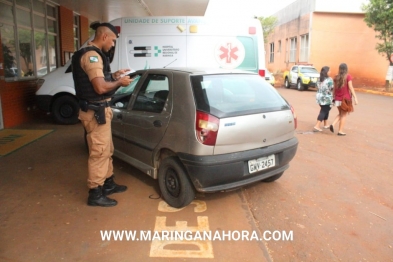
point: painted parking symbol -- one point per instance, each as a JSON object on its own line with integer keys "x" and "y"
{"x": 176, "y": 243}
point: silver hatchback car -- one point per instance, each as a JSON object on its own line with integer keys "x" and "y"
{"x": 200, "y": 130}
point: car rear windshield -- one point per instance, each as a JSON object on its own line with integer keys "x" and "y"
{"x": 229, "y": 95}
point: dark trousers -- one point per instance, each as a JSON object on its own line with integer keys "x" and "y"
{"x": 324, "y": 113}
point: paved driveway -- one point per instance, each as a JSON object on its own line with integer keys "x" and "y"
{"x": 335, "y": 200}
{"x": 337, "y": 195}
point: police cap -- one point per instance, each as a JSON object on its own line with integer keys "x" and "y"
{"x": 95, "y": 25}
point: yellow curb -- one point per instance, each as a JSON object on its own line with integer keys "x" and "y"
{"x": 373, "y": 92}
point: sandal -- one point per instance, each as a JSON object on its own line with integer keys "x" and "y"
{"x": 341, "y": 134}
{"x": 317, "y": 129}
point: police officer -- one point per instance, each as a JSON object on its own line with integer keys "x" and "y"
{"x": 94, "y": 86}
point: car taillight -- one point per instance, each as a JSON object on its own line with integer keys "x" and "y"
{"x": 294, "y": 116}
{"x": 261, "y": 73}
{"x": 206, "y": 127}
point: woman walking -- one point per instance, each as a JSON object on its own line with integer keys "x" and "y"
{"x": 343, "y": 89}
{"x": 324, "y": 98}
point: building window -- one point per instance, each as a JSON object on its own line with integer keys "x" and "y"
{"x": 286, "y": 51}
{"x": 304, "y": 48}
{"x": 28, "y": 37}
{"x": 271, "y": 60}
{"x": 292, "y": 55}
{"x": 76, "y": 33}
{"x": 8, "y": 40}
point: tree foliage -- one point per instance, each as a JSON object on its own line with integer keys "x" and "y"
{"x": 379, "y": 16}
{"x": 268, "y": 25}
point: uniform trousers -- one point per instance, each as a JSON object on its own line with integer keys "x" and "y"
{"x": 99, "y": 140}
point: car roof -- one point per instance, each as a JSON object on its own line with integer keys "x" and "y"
{"x": 306, "y": 66}
{"x": 201, "y": 70}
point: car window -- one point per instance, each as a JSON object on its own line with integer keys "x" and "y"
{"x": 294, "y": 69}
{"x": 234, "y": 95}
{"x": 122, "y": 97}
{"x": 305, "y": 70}
{"x": 153, "y": 94}
{"x": 121, "y": 101}
{"x": 130, "y": 88}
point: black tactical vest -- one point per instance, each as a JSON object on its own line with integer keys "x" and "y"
{"x": 83, "y": 87}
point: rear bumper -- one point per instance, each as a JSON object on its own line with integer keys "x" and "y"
{"x": 228, "y": 171}
{"x": 43, "y": 102}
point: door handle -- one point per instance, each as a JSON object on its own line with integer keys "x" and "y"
{"x": 157, "y": 123}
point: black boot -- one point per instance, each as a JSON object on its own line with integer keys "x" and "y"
{"x": 111, "y": 187}
{"x": 97, "y": 198}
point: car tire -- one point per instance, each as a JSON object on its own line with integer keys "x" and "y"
{"x": 65, "y": 110}
{"x": 175, "y": 186}
{"x": 286, "y": 83}
{"x": 299, "y": 85}
{"x": 273, "y": 178}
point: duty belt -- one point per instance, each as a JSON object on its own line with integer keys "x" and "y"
{"x": 101, "y": 103}
{"x": 85, "y": 105}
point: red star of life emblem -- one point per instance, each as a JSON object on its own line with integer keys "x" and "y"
{"x": 229, "y": 53}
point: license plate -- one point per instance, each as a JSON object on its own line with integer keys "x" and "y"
{"x": 262, "y": 163}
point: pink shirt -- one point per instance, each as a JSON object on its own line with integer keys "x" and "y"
{"x": 343, "y": 92}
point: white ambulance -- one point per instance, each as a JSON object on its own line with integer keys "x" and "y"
{"x": 157, "y": 42}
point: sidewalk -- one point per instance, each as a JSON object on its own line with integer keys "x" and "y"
{"x": 380, "y": 91}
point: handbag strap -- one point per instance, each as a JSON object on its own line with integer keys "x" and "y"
{"x": 348, "y": 90}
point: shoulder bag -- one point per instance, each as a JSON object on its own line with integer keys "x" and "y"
{"x": 346, "y": 104}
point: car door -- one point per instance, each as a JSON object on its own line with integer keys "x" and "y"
{"x": 294, "y": 74}
{"x": 147, "y": 119}
{"x": 119, "y": 104}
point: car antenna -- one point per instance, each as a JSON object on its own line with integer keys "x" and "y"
{"x": 170, "y": 63}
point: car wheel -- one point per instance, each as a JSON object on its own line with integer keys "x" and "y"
{"x": 299, "y": 85}
{"x": 286, "y": 82}
{"x": 176, "y": 188}
{"x": 272, "y": 178}
{"x": 65, "y": 110}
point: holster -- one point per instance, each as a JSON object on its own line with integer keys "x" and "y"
{"x": 99, "y": 114}
{"x": 99, "y": 110}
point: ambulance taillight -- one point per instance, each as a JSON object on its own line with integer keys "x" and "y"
{"x": 261, "y": 72}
